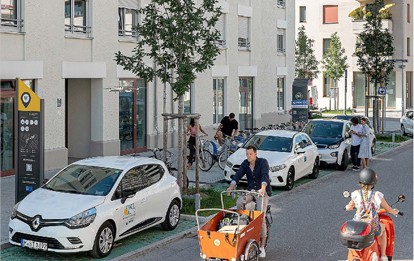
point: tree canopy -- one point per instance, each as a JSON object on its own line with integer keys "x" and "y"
{"x": 305, "y": 60}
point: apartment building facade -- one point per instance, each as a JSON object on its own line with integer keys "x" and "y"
{"x": 321, "y": 18}
{"x": 64, "y": 50}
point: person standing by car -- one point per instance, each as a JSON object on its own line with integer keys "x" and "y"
{"x": 356, "y": 130}
{"x": 365, "y": 149}
{"x": 192, "y": 130}
{"x": 257, "y": 174}
{"x": 228, "y": 126}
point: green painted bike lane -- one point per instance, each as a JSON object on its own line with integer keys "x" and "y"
{"x": 152, "y": 235}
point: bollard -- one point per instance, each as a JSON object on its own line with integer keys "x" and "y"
{"x": 393, "y": 137}
{"x": 197, "y": 201}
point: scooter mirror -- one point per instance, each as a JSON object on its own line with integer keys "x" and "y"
{"x": 346, "y": 194}
{"x": 401, "y": 198}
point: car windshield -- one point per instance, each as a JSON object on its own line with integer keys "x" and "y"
{"x": 270, "y": 143}
{"x": 87, "y": 180}
{"x": 329, "y": 129}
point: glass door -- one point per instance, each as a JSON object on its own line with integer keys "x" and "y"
{"x": 246, "y": 103}
{"x": 7, "y": 134}
{"x": 132, "y": 116}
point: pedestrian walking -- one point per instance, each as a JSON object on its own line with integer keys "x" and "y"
{"x": 365, "y": 148}
{"x": 192, "y": 131}
{"x": 355, "y": 132}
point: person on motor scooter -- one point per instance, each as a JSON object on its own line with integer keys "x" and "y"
{"x": 257, "y": 174}
{"x": 368, "y": 204}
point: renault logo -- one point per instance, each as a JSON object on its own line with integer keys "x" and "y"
{"x": 36, "y": 223}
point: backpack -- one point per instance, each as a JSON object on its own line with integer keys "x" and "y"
{"x": 369, "y": 213}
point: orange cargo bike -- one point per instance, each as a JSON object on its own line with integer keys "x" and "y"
{"x": 236, "y": 241}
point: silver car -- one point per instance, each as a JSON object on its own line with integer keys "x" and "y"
{"x": 407, "y": 122}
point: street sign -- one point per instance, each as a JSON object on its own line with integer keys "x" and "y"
{"x": 382, "y": 91}
{"x": 29, "y": 160}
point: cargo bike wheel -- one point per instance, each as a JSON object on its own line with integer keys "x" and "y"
{"x": 252, "y": 251}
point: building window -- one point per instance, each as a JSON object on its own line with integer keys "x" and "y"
{"x": 221, "y": 28}
{"x": 11, "y": 15}
{"x": 244, "y": 42}
{"x": 218, "y": 100}
{"x": 408, "y": 13}
{"x": 127, "y": 20}
{"x": 326, "y": 45}
{"x": 330, "y": 14}
{"x": 302, "y": 14}
{"x": 328, "y": 86}
{"x": 280, "y": 93}
{"x": 281, "y": 3}
{"x": 408, "y": 46}
{"x": 77, "y": 18}
{"x": 281, "y": 44}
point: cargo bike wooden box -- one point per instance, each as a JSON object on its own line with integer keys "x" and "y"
{"x": 231, "y": 242}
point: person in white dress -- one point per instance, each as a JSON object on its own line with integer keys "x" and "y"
{"x": 365, "y": 148}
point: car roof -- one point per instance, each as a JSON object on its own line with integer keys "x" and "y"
{"x": 117, "y": 162}
{"x": 278, "y": 133}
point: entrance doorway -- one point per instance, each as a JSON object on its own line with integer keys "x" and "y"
{"x": 246, "y": 103}
{"x": 132, "y": 116}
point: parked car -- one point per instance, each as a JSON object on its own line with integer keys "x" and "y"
{"x": 291, "y": 155}
{"x": 372, "y": 132}
{"x": 332, "y": 139}
{"x": 407, "y": 122}
{"x": 94, "y": 202}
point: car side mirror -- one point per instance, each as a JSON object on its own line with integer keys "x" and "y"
{"x": 128, "y": 193}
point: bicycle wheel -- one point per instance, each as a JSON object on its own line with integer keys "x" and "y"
{"x": 205, "y": 160}
{"x": 159, "y": 154}
{"x": 223, "y": 158}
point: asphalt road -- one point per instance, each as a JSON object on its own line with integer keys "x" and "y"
{"x": 306, "y": 220}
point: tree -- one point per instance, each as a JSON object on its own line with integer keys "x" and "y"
{"x": 374, "y": 49}
{"x": 334, "y": 61}
{"x": 179, "y": 38}
{"x": 305, "y": 60}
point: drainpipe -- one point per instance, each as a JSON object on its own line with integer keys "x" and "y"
{"x": 155, "y": 106}
{"x": 402, "y": 57}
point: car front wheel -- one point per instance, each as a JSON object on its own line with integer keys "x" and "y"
{"x": 172, "y": 217}
{"x": 344, "y": 161}
{"x": 315, "y": 170}
{"x": 403, "y": 130}
{"x": 104, "y": 240}
{"x": 290, "y": 179}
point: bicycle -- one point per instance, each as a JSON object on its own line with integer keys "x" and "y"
{"x": 158, "y": 153}
{"x": 206, "y": 160}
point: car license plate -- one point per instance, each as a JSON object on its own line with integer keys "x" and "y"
{"x": 34, "y": 244}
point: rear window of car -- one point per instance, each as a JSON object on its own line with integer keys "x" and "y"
{"x": 270, "y": 143}
{"x": 330, "y": 129}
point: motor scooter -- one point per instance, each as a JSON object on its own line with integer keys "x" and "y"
{"x": 358, "y": 236}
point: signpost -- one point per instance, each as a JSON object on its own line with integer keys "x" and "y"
{"x": 382, "y": 91}
{"x": 300, "y": 108}
{"x": 29, "y": 133}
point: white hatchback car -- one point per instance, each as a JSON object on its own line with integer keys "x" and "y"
{"x": 291, "y": 155}
{"x": 407, "y": 122}
{"x": 94, "y": 202}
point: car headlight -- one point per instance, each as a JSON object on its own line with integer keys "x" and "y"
{"x": 277, "y": 167}
{"x": 14, "y": 211}
{"x": 229, "y": 164}
{"x": 83, "y": 219}
{"x": 334, "y": 146}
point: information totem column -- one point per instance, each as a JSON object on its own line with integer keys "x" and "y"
{"x": 29, "y": 133}
{"x": 300, "y": 109}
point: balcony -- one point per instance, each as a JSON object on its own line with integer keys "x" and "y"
{"x": 358, "y": 25}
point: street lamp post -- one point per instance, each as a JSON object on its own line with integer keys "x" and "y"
{"x": 402, "y": 57}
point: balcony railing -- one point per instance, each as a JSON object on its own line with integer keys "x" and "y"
{"x": 358, "y": 25}
{"x": 244, "y": 43}
{"x": 11, "y": 23}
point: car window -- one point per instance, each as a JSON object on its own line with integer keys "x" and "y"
{"x": 298, "y": 140}
{"x": 329, "y": 129}
{"x": 306, "y": 141}
{"x": 81, "y": 179}
{"x": 139, "y": 178}
{"x": 270, "y": 143}
{"x": 347, "y": 127}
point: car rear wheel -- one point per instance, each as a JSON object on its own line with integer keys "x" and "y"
{"x": 315, "y": 170}
{"x": 344, "y": 161}
{"x": 172, "y": 217}
{"x": 104, "y": 240}
{"x": 290, "y": 179}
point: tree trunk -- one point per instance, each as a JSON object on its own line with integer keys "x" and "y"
{"x": 181, "y": 160}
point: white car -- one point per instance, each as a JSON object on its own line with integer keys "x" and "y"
{"x": 332, "y": 138}
{"x": 92, "y": 203}
{"x": 407, "y": 122}
{"x": 291, "y": 155}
